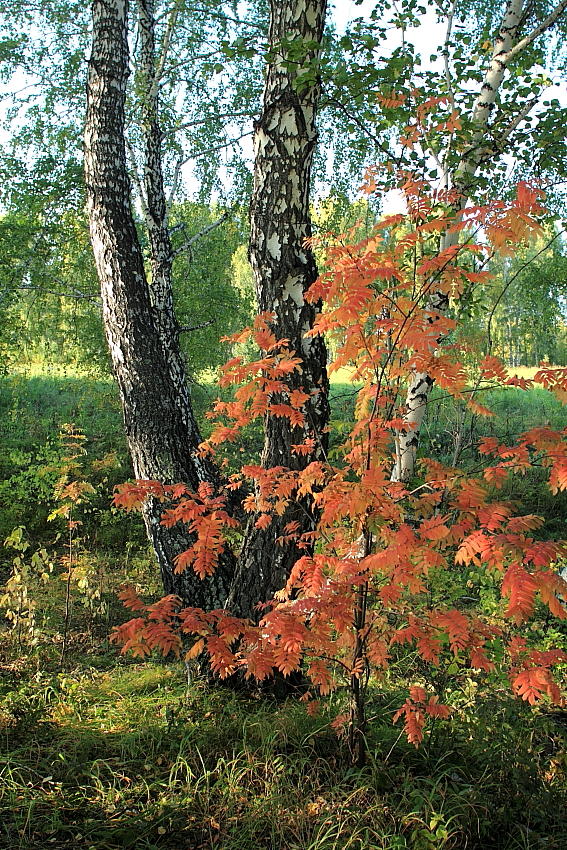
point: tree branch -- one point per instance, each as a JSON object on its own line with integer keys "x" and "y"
{"x": 510, "y": 281}
{"x": 185, "y": 329}
{"x": 186, "y": 246}
{"x": 30, "y": 287}
{"x": 502, "y": 138}
{"x": 174, "y": 182}
{"x": 200, "y": 121}
{"x": 226, "y": 144}
{"x": 172, "y": 20}
{"x": 445, "y": 52}
{"x": 377, "y": 141}
{"x": 537, "y": 31}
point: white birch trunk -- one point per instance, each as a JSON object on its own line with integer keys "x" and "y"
{"x": 284, "y": 269}
{"x": 158, "y": 420}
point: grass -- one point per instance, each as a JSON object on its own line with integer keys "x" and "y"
{"x": 32, "y": 412}
{"x": 130, "y": 756}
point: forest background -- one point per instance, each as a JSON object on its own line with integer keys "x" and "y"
{"x": 237, "y": 761}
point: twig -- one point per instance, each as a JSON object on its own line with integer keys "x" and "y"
{"x": 186, "y": 329}
{"x": 187, "y": 245}
{"x": 510, "y": 281}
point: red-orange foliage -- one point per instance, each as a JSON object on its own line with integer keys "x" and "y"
{"x": 363, "y": 590}
{"x": 415, "y": 711}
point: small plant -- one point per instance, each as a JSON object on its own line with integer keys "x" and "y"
{"x": 70, "y": 492}
{"x": 38, "y": 610}
{"x": 17, "y": 597}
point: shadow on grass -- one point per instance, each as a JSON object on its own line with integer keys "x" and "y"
{"x": 128, "y": 759}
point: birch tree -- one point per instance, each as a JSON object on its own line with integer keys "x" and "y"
{"x": 284, "y": 269}
{"x": 162, "y": 434}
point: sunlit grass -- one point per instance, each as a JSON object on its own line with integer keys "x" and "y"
{"x": 51, "y": 369}
{"x": 527, "y": 372}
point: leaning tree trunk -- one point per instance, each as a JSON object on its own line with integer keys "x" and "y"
{"x": 284, "y": 269}
{"x": 485, "y": 146}
{"x": 160, "y": 427}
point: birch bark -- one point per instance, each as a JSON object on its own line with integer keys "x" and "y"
{"x": 160, "y": 428}
{"x": 284, "y": 269}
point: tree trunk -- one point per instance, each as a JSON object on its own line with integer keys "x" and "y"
{"x": 284, "y": 269}
{"x": 155, "y": 203}
{"x": 160, "y": 427}
{"x": 139, "y": 320}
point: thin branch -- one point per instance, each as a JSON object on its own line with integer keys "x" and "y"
{"x": 537, "y": 31}
{"x": 377, "y": 141}
{"x": 186, "y": 329}
{"x": 498, "y": 144}
{"x": 226, "y": 144}
{"x": 445, "y": 52}
{"x": 174, "y": 182}
{"x": 503, "y": 137}
{"x": 190, "y": 60}
{"x": 29, "y": 287}
{"x": 200, "y": 121}
{"x": 186, "y": 246}
{"x": 172, "y": 20}
{"x": 443, "y": 159}
{"x": 224, "y": 17}
{"x": 510, "y": 281}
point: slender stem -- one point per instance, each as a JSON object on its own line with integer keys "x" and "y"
{"x": 68, "y": 591}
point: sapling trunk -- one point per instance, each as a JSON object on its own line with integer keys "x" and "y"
{"x": 357, "y": 719}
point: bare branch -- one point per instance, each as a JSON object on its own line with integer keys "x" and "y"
{"x": 224, "y": 145}
{"x": 445, "y": 51}
{"x": 224, "y": 17}
{"x": 200, "y": 121}
{"x": 502, "y": 138}
{"x": 510, "y": 281}
{"x": 190, "y": 60}
{"x": 187, "y": 245}
{"x": 185, "y": 329}
{"x": 376, "y": 139}
{"x": 75, "y": 294}
{"x": 172, "y": 20}
{"x": 175, "y": 182}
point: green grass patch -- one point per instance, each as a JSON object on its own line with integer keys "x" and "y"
{"x": 133, "y": 756}
{"x": 106, "y": 754}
